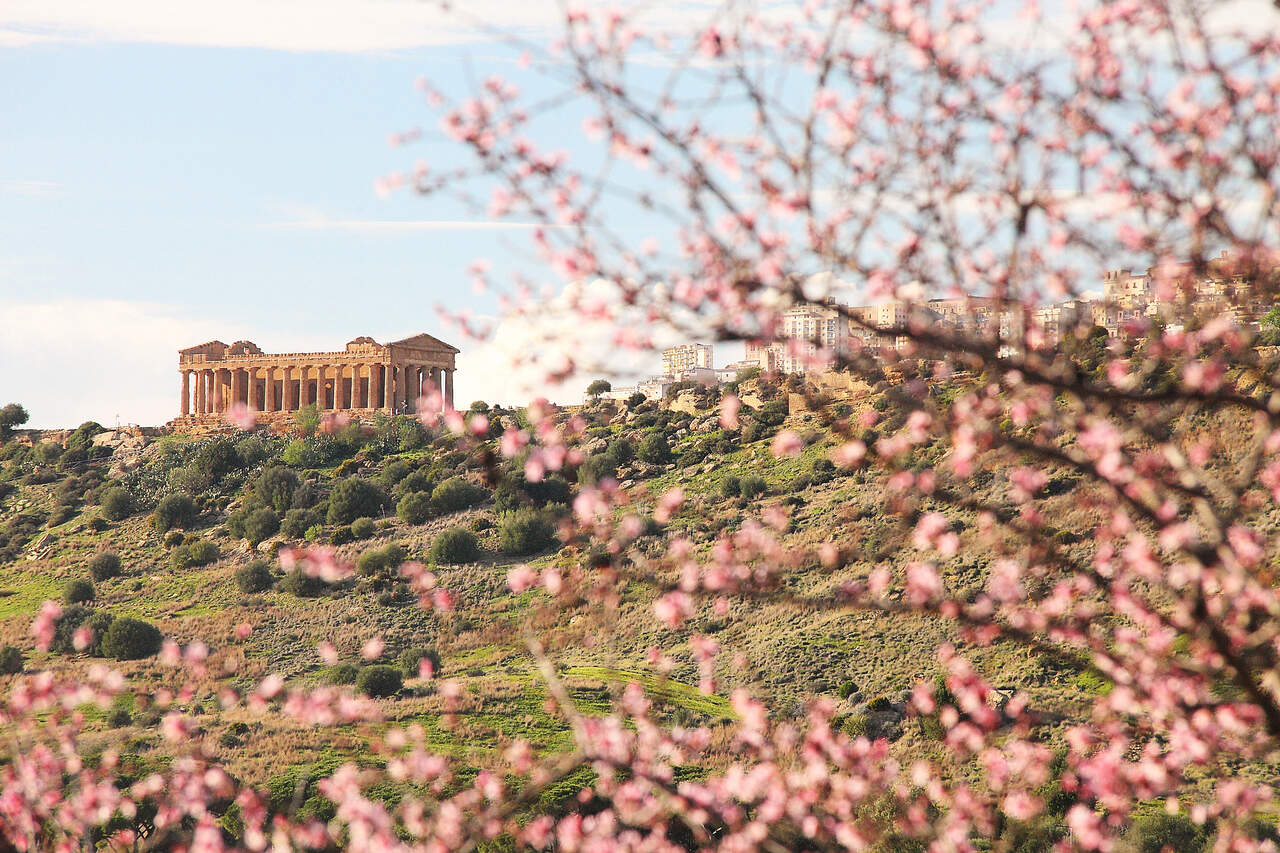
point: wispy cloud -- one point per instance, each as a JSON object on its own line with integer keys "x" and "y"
{"x": 16, "y": 186}
{"x": 322, "y": 223}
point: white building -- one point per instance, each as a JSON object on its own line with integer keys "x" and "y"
{"x": 677, "y": 359}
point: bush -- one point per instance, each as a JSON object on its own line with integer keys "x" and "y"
{"x": 414, "y": 508}
{"x": 1153, "y": 833}
{"x": 131, "y": 639}
{"x": 454, "y": 546}
{"x": 352, "y": 498}
{"x": 525, "y": 531}
{"x": 362, "y": 528}
{"x": 276, "y": 486}
{"x": 261, "y": 524}
{"x": 297, "y": 521}
{"x": 418, "y": 481}
{"x": 302, "y": 585}
{"x": 375, "y": 561}
{"x": 409, "y": 659}
{"x": 193, "y": 553}
{"x": 174, "y": 511}
{"x": 341, "y": 535}
{"x": 117, "y": 504}
{"x": 731, "y": 486}
{"x": 104, "y": 565}
{"x": 342, "y": 673}
{"x": 753, "y": 486}
{"x": 11, "y": 661}
{"x": 457, "y": 493}
{"x": 72, "y": 618}
{"x": 379, "y": 680}
{"x": 655, "y": 449}
{"x": 78, "y": 591}
{"x": 255, "y": 577}
{"x": 395, "y": 471}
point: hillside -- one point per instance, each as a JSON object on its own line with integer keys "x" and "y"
{"x": 400, "y": 486}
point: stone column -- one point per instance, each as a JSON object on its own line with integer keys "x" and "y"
{"x": 389, "y": 387}
{"x": 186, "y": 392}
{"x": 337, "y": 387}
{"x": 269, "y": 401}
{"x": 448, "y": 387}
{"x": 219, "y": 391}
{"x": 304, "y": 386}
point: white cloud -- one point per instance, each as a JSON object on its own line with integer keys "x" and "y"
{"x": 324, "y": 223}
{"x": 74, "y": 360}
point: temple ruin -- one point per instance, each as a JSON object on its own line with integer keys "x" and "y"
{"x": 363, "y": 378}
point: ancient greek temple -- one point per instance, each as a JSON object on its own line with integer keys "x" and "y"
{"x": 363, "y": 378}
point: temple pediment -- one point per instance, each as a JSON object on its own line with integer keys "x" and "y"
{"x": 425, "y": 341}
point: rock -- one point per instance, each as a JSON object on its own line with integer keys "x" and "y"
{"x": 594, "y": 446}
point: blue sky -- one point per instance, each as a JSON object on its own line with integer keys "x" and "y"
{"x": 166, "y": 179}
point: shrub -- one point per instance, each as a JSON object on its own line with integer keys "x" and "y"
{"x": 78, "y": 591}
{"x": 655, "y": 449}
{"x": 302, "y": 585}
{"x": 409, "y": 659}
{"x": 377, "y": 560}
{"x": 414, "y": 508}
{"x": 342, "y": 673}
{"x": 847, "y": 689}
{"x": 362, "y": 528}
{"x": 261, "y": 524}
{"x": 117, "y": 504}
{"x": 341, "y": 535}
{"x": 352, "y": 498}
{"x": 192, "y": 553}
{"x": 74, "y": 617}
{"x": 457, "y": 493}
{"x": 104, "y": 565}
{"x": 296, "y": 522}
{"x": 131, "y": 639}
{"x": 395, "y": 471}
{"x": 753, "y": 486}
{"x": 525, "y": 531}
{"x": 731, "y": 486}
{"x": 11, "y": 661}
{"x": 276, "y": 486}
{"x": 379, "y": 680}
{"x": 173, "y": 539}
{"x": 1159, "y": 831}
{"x": 255, "y": 577}
{"x": 314, "y": 532}
{"x": 418, "y": 481}
{"x": 454, "y": 546}
{"x": 174, "y": 511}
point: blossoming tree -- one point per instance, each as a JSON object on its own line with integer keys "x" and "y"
{"x": 770, "y": 158}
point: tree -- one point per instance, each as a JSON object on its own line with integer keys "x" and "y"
{"x": 131, "y": 639}
{"x": 12, "y": 415}
{"x": 598, "y": 387}
{"x": 353, "y": 498}
{"x": 379, "y": 680}
{"x": 174, "y": 511}
{"x": 892, "y": 153}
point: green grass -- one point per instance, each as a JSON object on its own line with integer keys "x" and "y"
{"x": 657, "y": 687}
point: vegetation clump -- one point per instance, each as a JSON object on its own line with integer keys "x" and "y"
{"x": 131, "y": 639}
{"x": 379, "y": 680}
{"x": 454, "y": 546}
{"x": 78, "y": 591}
{"x": 255, "y": 577}
{"x": 526, "y": 531}
{"x": 193, "y": 553}
{"x": 104, "y": 565}
{"x": 457, "y": 493}
{"x": 175, "y": 510}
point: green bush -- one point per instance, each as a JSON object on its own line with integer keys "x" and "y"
{"x": 1153, "y": 833}
{"x": 276, "y": 486}
{"x": 352, "y": 498}
{"x": 847, "y": 689}
{"x": 525, "y": 531}
{"x": 342, "y": 673}
{"x": 192, "y": 553}
{"x": 104, "y": 565}
{"x": 341, "y": 535}
{"x": 457, "y": 493}
{"x": 299, "y": 454}
{"x": 11, "y": 660}
{"x": 418, "y": 481}
{"x": 375, "y": 561}
{"x": 314, "y": 532}
{"x": 362, "y": 528}
{"x": 753, "y": 486}
{"x": 379, "y": 680}
{"x": 455, "y": 546}
{"x": 261, "y": 524}
{"x": 302, "y": 585}
{"x": 414, "y": 508}
{"x": 297, "y": 521}
{"x": 78, "y": 591}
{"x": 409, "y": 659}
{"x": 255, "y": 577}
{"x": 131, "y": 639}
{"x": 395, "y": 471}
{"x": 655, "y": 449}
{"x": 731, "y": 486}
{"x": 174, "y": 511}
{"x": 117, "y": 504}
{"x": 97, "y": 621}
